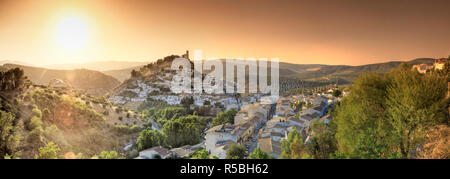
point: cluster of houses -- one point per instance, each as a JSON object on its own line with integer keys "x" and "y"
{"x": 160, "y": 152}
{"x": 247, "y": 122}
{"x": 268, "y": 125}
{"x": 287, "y": 119}
{"x": 437, "y": 65}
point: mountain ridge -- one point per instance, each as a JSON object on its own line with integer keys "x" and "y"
{"x": 93, "y": 82}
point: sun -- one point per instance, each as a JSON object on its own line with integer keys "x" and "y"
{"x": 72, "y": 33}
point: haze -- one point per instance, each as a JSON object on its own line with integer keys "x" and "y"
{"x": 349, "y": 32}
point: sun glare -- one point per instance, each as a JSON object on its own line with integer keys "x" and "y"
{"x": 72, "y": 33}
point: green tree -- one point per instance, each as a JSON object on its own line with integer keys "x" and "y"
{"x": 149, "y": 138}
{"x": 415, "y": 102}
{"x": 337, "y": 93}
{"x": 292, "y": 147}
{"x": 9, "y": 134}
{"x": 387, "y": 116}
{"x": 322, "y": 142}
{"x": 46, "y": 115}
{"x": 224, "y": 117}
{"x": 363, "y": 110}
{"x": 258, "y": 154}
{"x": 34, "y": 123}
{"x": 202, "y": 154}
{"x": 109, "y": 155}
{"x": 235, "y": 152}
{"x": 50, "y": 151}
{"x": 185, "y": 130}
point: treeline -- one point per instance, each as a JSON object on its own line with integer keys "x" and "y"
{"x": 385, "y": 116}
{"x": 11, "y": 79}
{"x": 10, "y": 125}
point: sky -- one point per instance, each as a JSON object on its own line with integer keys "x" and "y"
{"x": 337, "y": 32}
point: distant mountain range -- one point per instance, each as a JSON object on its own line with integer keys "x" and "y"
{"x": 122, "y": 74}
{"x": 101, "y": 77}
{"x": 93, "y": 82}
{"x": 98, "y": 66}
{"x": 2, "y": 62}
{"x": 346, "y": 73}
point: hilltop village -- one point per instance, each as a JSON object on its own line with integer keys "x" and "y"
{"x": 254, "y": 125}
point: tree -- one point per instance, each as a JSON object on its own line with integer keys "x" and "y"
{"x": 337, "y": 93}
{"x": 235, "y": 152}
{"x": 135, "y": 74}
{"x": 224, "y": 117}
{"x": 185, "y": 130}
{"x": 46, "y": 115}
{"x": 415, "y": 102}
{"x": 388, "y": 116}
{"x": 9, "y": 134}
{"x": 187, "y": 101}
{"x": 11, "y": 79}
{"x": 363, "y": 110}
{"x": 323, "y": 142}
{"x": 258, "y": 154}
{"x": 109, "y": 155}
{"x": 202, "y": 154}
{"x": 34, "y": 123}
{"x": 50, "y": 151}
{"x": 292, "y": 147}
{"x": 149, "y": 138}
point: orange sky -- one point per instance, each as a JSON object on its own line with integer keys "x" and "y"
{"x": 350, "y": 32}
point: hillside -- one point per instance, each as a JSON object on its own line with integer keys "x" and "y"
{"x": 121, "y": 74}
{"x": 36, "y": 119}
{"x": 93, "y": 82}
{"x": 292, "y": 76}
{"x": 98, "y": 65}
{"x": 342, "y": 72}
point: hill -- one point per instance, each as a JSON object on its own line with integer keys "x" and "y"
{"x": 98, "y": 66}
{"x": 93, "y": 82}
{"x": 38, "y": 118}
{"x": 121, "y": 74}
{"x": 318, "y": 72}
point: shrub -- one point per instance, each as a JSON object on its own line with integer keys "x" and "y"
{"x": 235, "y": 152}
{"x": 34, "y": 123}
{"x": 224, "y": 117}
{"x": 109, "y": 155}
{"x": 35, "y": 136}
{"x": 50, "y": 151}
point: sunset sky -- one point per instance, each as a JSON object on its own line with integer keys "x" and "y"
{"x": 350, "y": 32}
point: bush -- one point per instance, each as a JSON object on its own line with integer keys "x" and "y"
{"x": 34, "y": 123}
{"x": 35, "y": 136}
{"x": 109, "y": 155}
{"x": 337, "y": 93}
{"x": 50, "y": 151}
{"x": 10, "y": 134}
{"x": 202, "y": 154}
{"x": 36, "y": 112}
{"x": 235, "y": 152}
{"x": 149, "y": 138}
{"x": 224, "y": 117}
{"x": 388, "y": 115}
{"x": 258, "y": 154}
{"x": 46, "y": 115}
